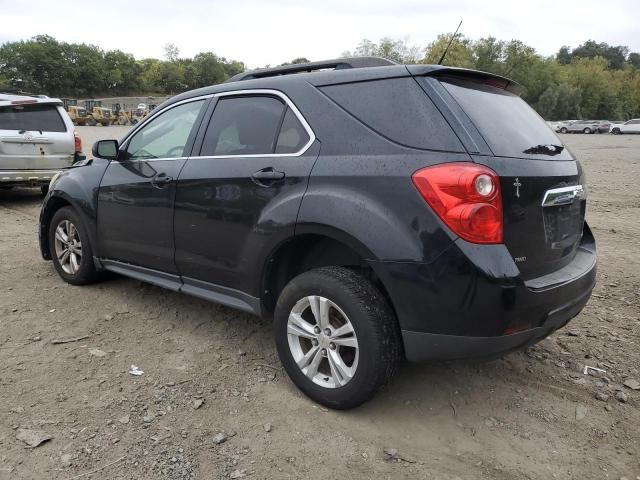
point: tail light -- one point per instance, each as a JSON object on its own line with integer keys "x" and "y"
{"x": 77, "y": 141}
{"x": 466, "y": 196}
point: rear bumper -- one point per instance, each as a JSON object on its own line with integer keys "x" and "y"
{"x": 423, "y": 347}
{"x": 471, "y": 301}
{"x": 27, "y": 177}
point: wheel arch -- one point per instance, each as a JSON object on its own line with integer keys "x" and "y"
{"x": 55, "y": 202}
{"x": 316, "y": 246}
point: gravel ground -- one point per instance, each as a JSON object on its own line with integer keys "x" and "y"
{"x": 213, "y": 401}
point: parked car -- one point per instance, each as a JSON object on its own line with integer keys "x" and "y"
{"x": 37, "y": 140}
{"x": 560, "y": 125}
{"x": 604, "y": 126}
{"x": 581, "y": 126}
{"x": 632, "y": 126}
{"x": 377, "y": 211}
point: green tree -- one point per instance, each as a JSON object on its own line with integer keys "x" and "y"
{"x": 123, "y": 73}
{"x": 488, "y": 55}
{"x": 590, "y": 75}
{"x": 458, "y": 55}
{"x": 39, "y": 63}
{"x": 88, "y": 77}
{"x": 397, "y": 50}
{"x": 171, "y": 52}
{"x": 171, "y": 77}
{"x": 634, "y": 60}
{"x": 296, "y": 61}
{"x": 564, "y": 55}
{"x": 208, "y": 70}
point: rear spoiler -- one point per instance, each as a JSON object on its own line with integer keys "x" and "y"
{"x": 486, "y": 77}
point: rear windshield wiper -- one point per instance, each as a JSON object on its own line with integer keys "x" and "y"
{"x": 549, "y": 149}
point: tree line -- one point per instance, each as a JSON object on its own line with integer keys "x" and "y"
{"x": 44, "y": 65}
{"x": 593, "y": 80}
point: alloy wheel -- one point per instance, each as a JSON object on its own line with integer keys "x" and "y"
{"x": 322, "y": 341}
{"x": 68, "y": 247}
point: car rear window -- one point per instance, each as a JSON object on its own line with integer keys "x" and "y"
{"x": 399, "y": 110}
{"x": 508, "y": 124}
{"x": 44, "y": 118}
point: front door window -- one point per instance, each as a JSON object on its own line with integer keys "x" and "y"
{"x": 166, "y": 135}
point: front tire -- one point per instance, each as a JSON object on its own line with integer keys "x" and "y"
{"x": 70, "y": 248}
{"x": 563, "y": 130}
{"x": 336, "y": 336}
{"x": 586, "y": 130}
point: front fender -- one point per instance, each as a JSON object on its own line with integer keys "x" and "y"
{"x": 77, "y": 187}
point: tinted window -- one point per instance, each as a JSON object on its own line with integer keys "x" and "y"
{"x": 399, "y": 110}
{"x": 166, "y": 135}
{"x": 292, "y": 135}
{"x": 45, "y": 118}
{"x": 243, "y": 126}
{"x": 509, "y": 126}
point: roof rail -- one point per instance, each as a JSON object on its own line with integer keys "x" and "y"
{"x": 336, "y": 64}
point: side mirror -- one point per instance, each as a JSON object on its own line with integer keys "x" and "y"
{"x": 107, "y": 149}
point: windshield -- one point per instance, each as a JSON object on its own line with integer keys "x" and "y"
{"x": 510, "y": 127}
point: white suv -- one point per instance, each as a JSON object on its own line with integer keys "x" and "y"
{"x": 37, "y": 140}
{"x": 632, "y": 126}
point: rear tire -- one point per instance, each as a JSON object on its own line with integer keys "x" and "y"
{"x": 70, "y": 248}
{"x": 44, "y": 189}
{"x": 367, "y": 349}
{"x": 586, "y": 130}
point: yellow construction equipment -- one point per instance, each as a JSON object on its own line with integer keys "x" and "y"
{"x": 102, "y": 115}
{"x": 120, "y": 116}
{"x": 79, "y": 115}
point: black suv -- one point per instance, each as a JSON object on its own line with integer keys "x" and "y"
{"x": 377, "y": 211}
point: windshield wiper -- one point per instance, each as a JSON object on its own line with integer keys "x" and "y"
{"x": 549, "y": 149}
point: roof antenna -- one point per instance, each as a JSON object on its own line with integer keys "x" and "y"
{"x": 450, "y": 42}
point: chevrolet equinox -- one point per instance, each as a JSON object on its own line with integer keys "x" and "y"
{"x": 377, "y": 211}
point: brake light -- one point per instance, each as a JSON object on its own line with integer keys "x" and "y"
{"x": 466, "y": 196}
{"x": 77, "y": 141}
{"x": 23, "y": 102}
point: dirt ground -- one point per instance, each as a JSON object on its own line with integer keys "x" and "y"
{"x": 211, "y": 370}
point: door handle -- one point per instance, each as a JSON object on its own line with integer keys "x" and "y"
{"x": 161, "y": 179}
{"x": 267, "y": 177}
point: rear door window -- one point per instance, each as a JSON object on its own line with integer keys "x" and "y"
{"x": 508, "y": 124}
{"x": 292, "y": 135}
{"x": 399, "y": 110}
{"x": 32, "y": 117}
{"x": 245, "y": 126}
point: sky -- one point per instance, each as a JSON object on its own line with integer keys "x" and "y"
{"x": 271, "y": 32}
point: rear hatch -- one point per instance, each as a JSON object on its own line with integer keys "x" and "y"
{"x": 34, "y": 136}
{"x": 542, "y": 183}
